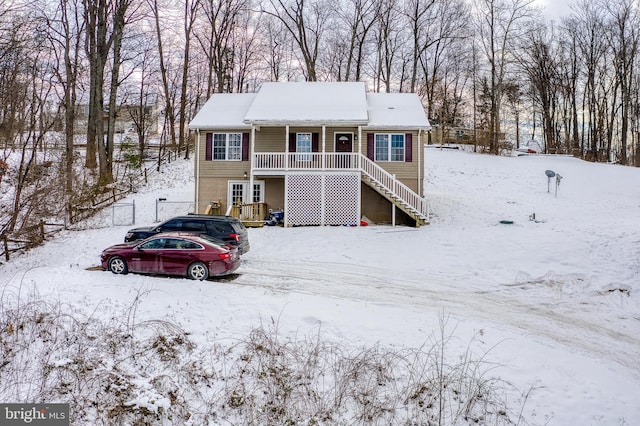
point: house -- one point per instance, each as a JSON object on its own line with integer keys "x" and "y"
{"x": 128, "y": 116}
{"x": 326, "y": 153}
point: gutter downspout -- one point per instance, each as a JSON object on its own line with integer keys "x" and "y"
{"x": 323, "y": 208}
{"x": 197, "y": 194}
{"x": 359, "y": 162}
{"x": 285, "y": 217}
{"x": 251, "y": 156}
{"x": 420, "y": 149}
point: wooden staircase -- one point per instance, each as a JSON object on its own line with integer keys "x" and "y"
{"x": 396, "y": 192}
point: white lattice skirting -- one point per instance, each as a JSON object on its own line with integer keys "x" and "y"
{"x": 317, "y": 199}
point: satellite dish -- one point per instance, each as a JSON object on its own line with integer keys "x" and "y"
{"x": 550, "y": 173}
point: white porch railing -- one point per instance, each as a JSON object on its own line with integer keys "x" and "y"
{"x": 315, "y": 161}
{"x": 281, "y": 161}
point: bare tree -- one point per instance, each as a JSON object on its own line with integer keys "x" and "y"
{"x": 216, "y": 38}
{"x": 277, "y": 47}
{"x": 168, "y": 88}
{"x": 539, "y": 61}
{"x": 389, "y": 42}
{"x": 26, "y": 119}
{"x": 306, "y": 23}
{"x": 444, "y": 40}
{"x": 500, "y": 23}
{"x": 67, "y": 37}
{"x": 355, "y": 21}
{"x": 624, "y": 37}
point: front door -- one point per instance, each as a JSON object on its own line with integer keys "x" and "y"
{"x": 344, "y": 144}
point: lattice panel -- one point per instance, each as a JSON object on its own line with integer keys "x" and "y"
{"x": 306, "y": 194}
{"x": 342, "y": 199}
{"x": 304, "y": 199}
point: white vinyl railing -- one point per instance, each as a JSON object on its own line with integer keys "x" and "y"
{"x": 304, "y": 161}
{"x": 282, "y": 161}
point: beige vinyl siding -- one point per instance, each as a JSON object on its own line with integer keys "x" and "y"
{"x": 212, "y": 189}
{"x": 270, "y": 139}
{"x": 230, "y": 169}
{"x": 406, "y": 172}
{"x": 274, "y": 139}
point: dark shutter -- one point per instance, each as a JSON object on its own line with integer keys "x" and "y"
{"x": 408, "y": 147}
{"x": 315, "y": 142}
{"x": 208, "y": 147}
{"x": 371, "y": 148}
{"x": 292, "y": 142}
{"x": 245, "y": 147}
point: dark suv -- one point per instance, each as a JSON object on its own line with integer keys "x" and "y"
{"x": 225, "y": 228}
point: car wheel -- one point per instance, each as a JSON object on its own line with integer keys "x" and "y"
{"x": 198, "y": 271}
{"x": 118, "y": 265}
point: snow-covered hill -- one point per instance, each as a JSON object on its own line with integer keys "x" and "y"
{"x": 551, "y": 294}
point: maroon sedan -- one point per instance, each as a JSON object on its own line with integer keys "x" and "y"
{"x": 195, "y": 256}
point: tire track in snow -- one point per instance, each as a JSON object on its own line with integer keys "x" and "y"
{"x": 364, "y": 283}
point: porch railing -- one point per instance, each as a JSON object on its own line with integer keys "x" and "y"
{"x": 282, "y": 161}
{"x": 314, "y": 161}
{"x": 249, "y": 211}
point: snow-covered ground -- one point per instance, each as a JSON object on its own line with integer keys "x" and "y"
{"x": 553, "y": 301}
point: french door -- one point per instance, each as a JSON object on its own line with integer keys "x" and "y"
{"x": 239, "y": 192}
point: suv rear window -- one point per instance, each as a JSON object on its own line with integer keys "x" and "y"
{"x": 218, "y": 227}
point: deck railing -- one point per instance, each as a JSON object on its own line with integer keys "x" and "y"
{"x": 314, "y": 161}
{"x": 282, "y": 161}
{"x": 249, "y": 211}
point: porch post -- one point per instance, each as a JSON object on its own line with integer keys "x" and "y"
{"x": 393, "y": 205}
{"x": 286, "y": 151}
{"x": 359, "y": 147}
{"x": 324, "y": 138}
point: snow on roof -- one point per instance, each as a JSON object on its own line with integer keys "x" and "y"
{"x": 309, "y": 103}
{"x": 396, "y": 110}
{"x": 223, "y": 111}
{"x": 312, "y": 103}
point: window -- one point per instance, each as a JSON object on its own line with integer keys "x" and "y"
{"x": 156, "y": 243}
{"x": 303, "y": 145}
{"x": 227, "y": 146}
{"x": 389, "y": 147}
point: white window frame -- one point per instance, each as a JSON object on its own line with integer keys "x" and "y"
{"x": 304, "y": 155}
{"x": 228, "y": 148}
{"x": 247, "y": 196}
{"x": 389, "y": 148}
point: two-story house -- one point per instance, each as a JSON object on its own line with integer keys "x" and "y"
{"x": 326, "y": 153}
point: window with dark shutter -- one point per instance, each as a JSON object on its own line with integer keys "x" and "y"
{"x": 315, "y": 142}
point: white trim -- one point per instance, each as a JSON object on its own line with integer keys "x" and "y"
{"x": 390, "y": 148}
{"x": 226, "y": 146}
